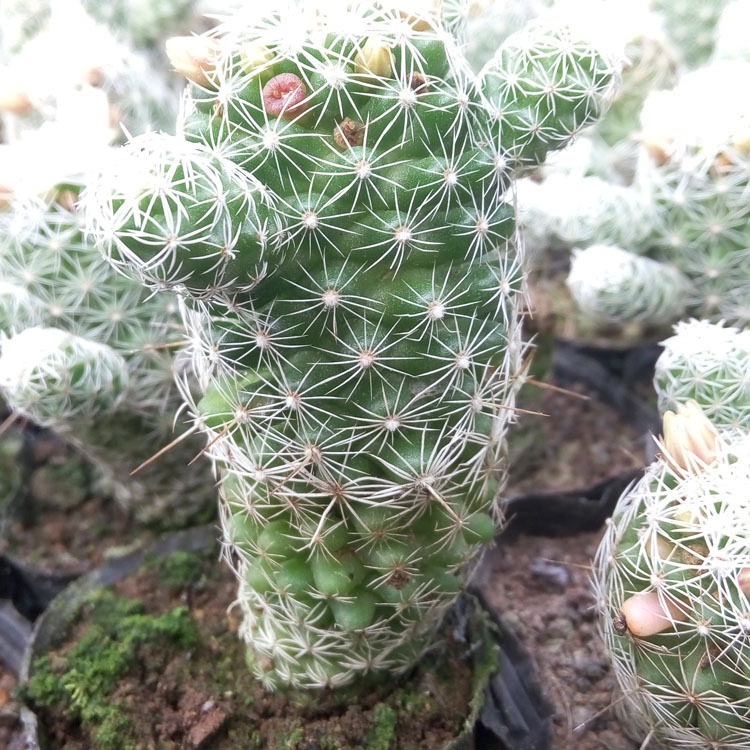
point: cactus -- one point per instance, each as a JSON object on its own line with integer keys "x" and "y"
{"x": 89, "y": 353}
{"x": 540, "y": 102}
{"x": 616, "y": 286}
{"x": 32, "y": 94}
{"x": 671, "y": 576}
{"x": 481, "y": 26}
{"x": 334, "y": 213}
{"x": 567, "y": 210}
{"x": 691, "y": 25}
{"x": 698, "y": 174}
{"x": 708, "y": 363}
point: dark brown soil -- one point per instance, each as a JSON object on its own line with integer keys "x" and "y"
{"x": 73, "y": 540}
{"x": 541, "y": 587}
{"x": 60, "y": 526}
{"x": 10, "y": 723}
{"x": 542, "y": 591}
{"x": 206, "y": 697}
{"x": 575, "y": 442}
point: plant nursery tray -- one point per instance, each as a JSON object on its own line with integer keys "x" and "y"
{"x": 486, "y": 670}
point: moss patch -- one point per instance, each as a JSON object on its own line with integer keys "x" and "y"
{"x": 157, "y": 662}
{"x": 81, "y": 680}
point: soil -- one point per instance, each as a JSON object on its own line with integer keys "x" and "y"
{"x": 10, "y": 720}
{"x": 541, "y": 589}
{"x": 573, "y": 441}
{"x": 204, "y": 697}
{"x": 58, "y": 523}
{"x": 72, "y": 541}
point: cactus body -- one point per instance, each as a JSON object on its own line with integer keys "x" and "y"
{"x": 710, "y": 364}
{"x": 691, "y": 25}
{"x": 698, "y": 176}
{"x": 334, "y": 211}
{"x": 568, "y": 210}
{"x": 672, "y": 579}
{"x": 614, "y": 285}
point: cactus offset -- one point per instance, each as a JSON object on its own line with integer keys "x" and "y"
{"x": 672, "y": 582}
{"x": 710, "y": 364}
{"x": 613, "y": 285}
{"x": 334, "y": 212}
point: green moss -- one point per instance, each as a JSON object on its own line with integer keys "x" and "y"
{"x": 86, "y": 676}
{"x": 292, "y": 740}
{"x": 383, "y": 732}
{"x": 180, "y": 569}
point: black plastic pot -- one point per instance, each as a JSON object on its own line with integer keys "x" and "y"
{"x": 508, "y": 711}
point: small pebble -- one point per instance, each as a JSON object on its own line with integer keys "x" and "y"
{"x": 552, "y": 574}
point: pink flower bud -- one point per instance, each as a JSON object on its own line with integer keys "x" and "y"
{"x": 284, "y": 96}
{"x": 648, "y": 614}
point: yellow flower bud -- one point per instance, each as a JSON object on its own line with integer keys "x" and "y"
{"x": 194, "y": 57}
{"x": 743, "y": 579}
{"x": 741, "y": 141}
{"x": 374, "y": 59}
{"x": 255, "y": 57}
{"x": 690, "y": 440}
{"x": 5, "y": 195}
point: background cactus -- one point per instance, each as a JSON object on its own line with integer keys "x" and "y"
{"x": 89, "y": 353}
{"x": 138, "y": 94}
{"x": 698, "y": 173}
{"x": 691, "y": 25}
{"x": 708, "y": 363}
{"x": 335, "y": 212}
{"x": 672, "y": 582}
{"x": 616, "y": 286}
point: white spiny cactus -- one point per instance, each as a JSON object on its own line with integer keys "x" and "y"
{"x": 336, "y": 212}
{"x": 616, "y": 286}
{"x": 564, "y": 211}
{"x": 50, "y": 375}
{"x": 708, "y": 363}
{"x": 672, "y": 578}
{"x": 698, "y": 174}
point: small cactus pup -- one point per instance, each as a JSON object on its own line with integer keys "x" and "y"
{"x": 336, "y": 213}
{"x": 708, "y": 363}
{"x": 672, "y": 577}
{"x": 544, "y": 85}
{"x": 611, "y": 285}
